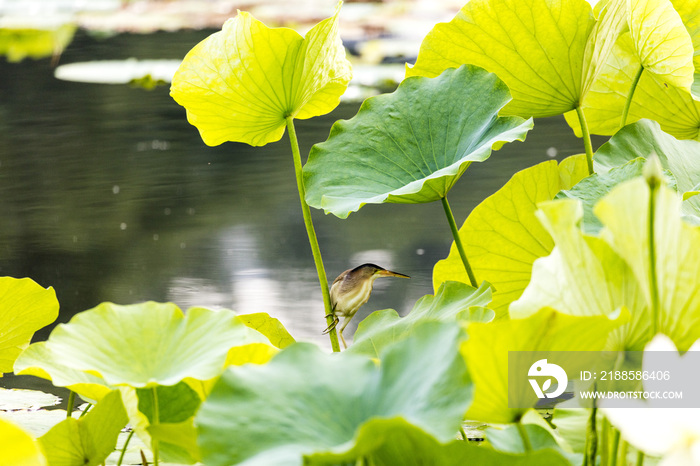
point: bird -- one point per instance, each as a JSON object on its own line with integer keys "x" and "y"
{"x": 351, "y": 290}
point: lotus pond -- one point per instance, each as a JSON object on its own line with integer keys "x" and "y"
{"x": 570, "y": 243}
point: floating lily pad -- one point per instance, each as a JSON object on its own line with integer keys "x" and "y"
{"x": 413, "y": 145}
{"x": 306, "y": 402}
{"x": 240, "y": 84}
{"x": 130, "y": 71}
{"x": 14, "y": 399}
{"x": 25, "y": 307}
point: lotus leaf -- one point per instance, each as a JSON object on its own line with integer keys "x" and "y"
{"x": 144, "y": 345}
{"x": 503, "y": 237}
{"x": 453, "y": 301}
{"x": 26, "y": 42}
{"x": 389, "y": 442}
{"x": 240, "y": 84}
{"x": 305, "y": 402}
{"x": 625, "y": 214}
{"x": 645, "y": 137}
{"x": 411, "y": 146}
{"x": 486, "y": 353}
{"x": 270, "y": 327}
{"x": 508, "y": 439}
{"x": 18, "y": 447}
{"x": 25, "y": 307}
{"x": 689, "y": 11}
{"x": 536, "y": 47}
{"x": 596, "y": 275}
{"x": 672, "y": 107}
{"x": 89, "y": 440}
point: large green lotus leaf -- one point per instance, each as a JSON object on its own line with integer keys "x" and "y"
{"x": 88, "y": 440}
{"x": 453, "y": 301}
{"x": 391, "y": 442}
{"x": 509, "y": 439}
{"x": 19, "y": 447}
{"x": 645, "y": 137}
{"x": 40, "y": 361}
{"x": 411, "y": 146}
{"x": 146, "y": 344}
{"x": 672, "y": 107}
{"x": 27, "y": 42}
{"x": 625, "y": 214}
{"x": 502, "y": 236}
{"x": 270, "y": 327}
{"x": 25, "y": 307}
{"x": 592, "y": 189}
{"x": 177, "y": 405}
{"x": 486, "y": 353}
{"x": 583, "y": 276}
{"x": 305, "y": 401}
{"x": 535, "y": 46}
{"x": 240, "y": 84}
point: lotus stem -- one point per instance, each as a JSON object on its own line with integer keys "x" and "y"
{"x": 126, "y": 444}
{"x": 640, "y": 458}
{"x": 311, "y": 233}
{"x": 615, "y": 447}
{"x": 623, "y": 452}
{"x": 655, "y": 314}
{"x": 85, "y": 411}
{"x": 586, "y": 135}
{"x": 523, "y": 435}
{"x": 604, "y": 442}
{"x": 630, "y": 95}
{"x": 156, "y": 420}
{"x": 458, "y": 241}
{"x": 591, "y": 449}
{"x": 464, "y": 434}
{"x": 69, "y": 405}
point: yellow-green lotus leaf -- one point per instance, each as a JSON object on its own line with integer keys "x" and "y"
{"x": 240, "y": 84}
{"x": 25, "y": 307}
{"x": 535, "y": 46}
{"x": 18, "y": 448}
{"x": 689, "y": 11}
{"x": 674, "y": 108}
{"x": 625, "y": 214}
{"x": 486, "y": 354}
{"x": 583, "y": 276}
{"x": 143, "y": 345}
{"x": 502, "y": 237}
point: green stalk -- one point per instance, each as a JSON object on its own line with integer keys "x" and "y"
{"x": 126, "y": 444}
{"x": 655, "y": 317}
{"x": 85, "y": 411}
{"x": 586, "y": 135}
{"x": 591, "y": 450}
{"x": 640, "y": 458}
{"x": 630, "y": 95}
{"x": 605, "y": 442}
{"x": 156, "y": 420}
{"x": 458, "y": 241}
{"x": 464, "y": 434}
{"x": 623, "y": 452}
{"x": 615, "y": 447}
{"x": 523, "y": 435}
{"x": 71, "y": 402}
{"x": 313, "y": 241}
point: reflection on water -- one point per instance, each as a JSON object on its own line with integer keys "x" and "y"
{"x": 108, "y": 194}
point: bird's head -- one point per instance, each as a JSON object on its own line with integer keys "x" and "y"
{"x": 369, "y": 271}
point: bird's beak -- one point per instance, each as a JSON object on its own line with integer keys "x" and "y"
{"x": 389, "y": 273}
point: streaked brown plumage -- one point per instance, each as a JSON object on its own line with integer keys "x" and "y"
{"x": 351, "y": 290}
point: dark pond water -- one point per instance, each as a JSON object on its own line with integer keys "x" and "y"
{"x": 108, "y": 194}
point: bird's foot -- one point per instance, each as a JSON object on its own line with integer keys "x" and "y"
{"x": 331, "y": 326}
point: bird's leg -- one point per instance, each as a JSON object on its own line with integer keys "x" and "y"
{"x": 342, "y": 327}
{"x": 331, "y": 326}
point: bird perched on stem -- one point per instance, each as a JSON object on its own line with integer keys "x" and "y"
{"x": 351, "y": 290}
